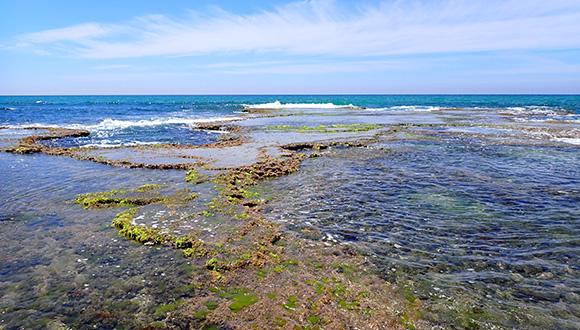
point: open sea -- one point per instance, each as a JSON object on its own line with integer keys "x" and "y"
{"x": 115, "y": 120}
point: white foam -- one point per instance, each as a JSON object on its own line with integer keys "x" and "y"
{"x": 109, "y": 144}
{"x": 406, "y": 108}
{"x": 279, "y": 105}
{"x": 535, "y": 110}
{"x": 575, "y": 141}
{"x": 115, "y": 124}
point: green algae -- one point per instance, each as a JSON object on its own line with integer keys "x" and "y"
{"x": 196, "y": 252}
{"x": 279, "y": 322}
{"x": 239, "y": 298}
{"x": 163, "y": 310}
{"x": 201, "y": 314}
{"x": 211, "y": 305}
{"x": 348, "y": 305}
{"x": 194, "y": 177}
{"x": 148, "y": 187}
{"x": 242, "y": 300}
{"x": 336, "y": 128}
{"x": 290, "y": 303}
{"x": 232, "y": 187}
{"x": 407, "y": 323}
{"x": 271, "y": 295}
{"x": 113, "y": 198}
{"x": 262, "y": 273}
{"x": 339, "y": 290}
{"x": 123, "y": 221}
{"x": 212, "y": 264}
{"x": 314, "y": 320}
{"x": 142, "y": 234}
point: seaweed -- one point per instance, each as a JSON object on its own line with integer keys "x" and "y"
{"x": 336, "y": 128}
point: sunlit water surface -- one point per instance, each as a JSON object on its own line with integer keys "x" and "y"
{"x": 475, "y": 230}
{"x": 65, "y": 265}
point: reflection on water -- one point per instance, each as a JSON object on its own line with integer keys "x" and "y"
{"x": 64, "y": 265}
{"x": 459, "y": 222}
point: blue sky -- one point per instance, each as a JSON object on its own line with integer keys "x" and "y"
{"x": 289, "y": 47}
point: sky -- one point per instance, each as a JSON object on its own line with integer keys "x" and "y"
{"x": 290, "y": 47}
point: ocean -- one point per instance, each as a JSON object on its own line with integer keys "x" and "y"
{"x": 116, "y": 120}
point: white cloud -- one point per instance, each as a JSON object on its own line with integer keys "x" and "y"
{"x": 76, "y": 33}
{"x": 327, "y": 28}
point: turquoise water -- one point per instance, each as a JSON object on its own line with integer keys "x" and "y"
{"x": 130, "y": 120}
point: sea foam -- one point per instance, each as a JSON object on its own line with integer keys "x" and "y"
{"x": 575, "y": 141}
{"x": 116, "y": 124}
{"x": 280, "y": 105}
{"x": 406, "y": 108}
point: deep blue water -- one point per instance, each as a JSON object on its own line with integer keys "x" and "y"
{"x": 89, "y": 110}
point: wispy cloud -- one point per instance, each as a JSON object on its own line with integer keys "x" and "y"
{"x": 328, "y": 28}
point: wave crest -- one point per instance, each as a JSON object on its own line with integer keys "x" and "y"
{"x": 277, "y": 105}
{"x": 110, "y": 124}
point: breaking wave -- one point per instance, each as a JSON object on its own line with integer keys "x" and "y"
{"x": 406, "y": 108}
{"x": 116, "y": 124}
{"x": 280, "y": 105}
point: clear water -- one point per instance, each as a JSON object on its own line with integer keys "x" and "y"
{"x": 469, "y": 224}
{"x": 61, "y": 264}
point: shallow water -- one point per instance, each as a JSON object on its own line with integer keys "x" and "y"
{"x": 62, "y": 264}
{"x": 458, "y": 221}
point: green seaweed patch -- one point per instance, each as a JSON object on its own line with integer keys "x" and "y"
{"x": 112, "y": 198}
{"x": 337, "y": 128}
{"x": 240, "y": 298}
{"x": 407, "y": 323}
{"x": 195, "y": 252}
{"x": 213, "y": 264}
{"x": 201, "y": 314}
{"x": 148, "y": 187}
{"x": 291, "y": 303}
{"x": 123, "y": 221}
{"x": 163, "y": 310}
{"x": 314, "y": 320}
{"x": 194, "y": 177}
{"x": 351, "y": 272}
{"x": 262, "y": 273}
{"x": 348, "y": 305}
{"x": 279, "y": 322}
{"x": 142, "y": 234}
{"x": 211, "y": 305}
{"x": 408, "y": 294}
{"x": 272, "y": 295}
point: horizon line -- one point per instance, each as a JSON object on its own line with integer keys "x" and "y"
{"x": 313, "y": 94}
